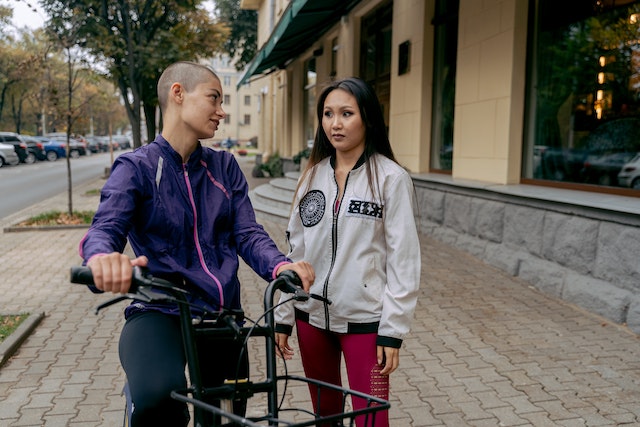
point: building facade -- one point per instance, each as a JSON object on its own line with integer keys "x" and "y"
{"x": 241, "y": 106}
{"x": 519, "y": 120}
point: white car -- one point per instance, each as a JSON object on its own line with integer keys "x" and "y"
{"x": 629, "y": 175}
{"x": 8, "y": 155}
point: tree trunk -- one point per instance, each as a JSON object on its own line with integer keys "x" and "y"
{"x": 150, "y": 118}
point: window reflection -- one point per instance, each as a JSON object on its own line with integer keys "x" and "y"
{"x": 585, "y": 92}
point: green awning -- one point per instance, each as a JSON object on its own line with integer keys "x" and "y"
{"x": 301, "y": 25}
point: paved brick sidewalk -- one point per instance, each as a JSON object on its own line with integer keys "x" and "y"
{"x": 485, "y": 350}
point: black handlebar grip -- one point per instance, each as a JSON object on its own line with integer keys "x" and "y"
{"x": 290, "y": 278}
{"x": 81, "y": 275}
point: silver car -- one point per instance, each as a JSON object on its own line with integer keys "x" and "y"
{"x": 629, "y": 175}
{"x": 8, "y": 155}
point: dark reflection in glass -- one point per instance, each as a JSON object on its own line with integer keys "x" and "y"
{"x": 584, "y": 108}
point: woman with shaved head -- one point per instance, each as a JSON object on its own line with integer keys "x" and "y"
{"x": 185, "y": 211}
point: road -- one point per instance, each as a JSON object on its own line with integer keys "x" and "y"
{"x": 23, "y": 185}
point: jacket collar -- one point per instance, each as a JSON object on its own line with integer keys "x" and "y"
{"x": 173, "y": 154}
{"x": 359, "y": 163}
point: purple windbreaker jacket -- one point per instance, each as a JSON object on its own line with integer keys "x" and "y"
{"x": 191, "y": 220}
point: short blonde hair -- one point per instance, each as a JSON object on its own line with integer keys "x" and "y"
{"x": 188, "y": 74}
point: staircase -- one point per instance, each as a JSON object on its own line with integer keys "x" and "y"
{"x": 272, "y": 201}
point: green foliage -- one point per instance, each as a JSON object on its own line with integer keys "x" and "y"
{"x": 34, "y": 80}
{"x": 243, "y": 24}
{"x": 60, "y": 218}
{"x": 304, "y": 154}
{"x": 273, "y": 165}
{"x": 9, "y": 323}
{"x": 135, "y": 41}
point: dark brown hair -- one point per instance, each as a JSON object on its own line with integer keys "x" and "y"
{"x": 376, "y": 139}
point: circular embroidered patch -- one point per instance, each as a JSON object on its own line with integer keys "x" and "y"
{"x": 312, "y": 208}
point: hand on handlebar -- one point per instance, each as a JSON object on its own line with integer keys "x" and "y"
{"x": 112, "y": 272}
{"x": 303, "y": 269}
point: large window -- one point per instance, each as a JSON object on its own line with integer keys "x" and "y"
{"x": 445, "y": 24}
{"x": 583, "y": 119}
{"x": 375, "y": 54}
{"x": 310, "y": 79}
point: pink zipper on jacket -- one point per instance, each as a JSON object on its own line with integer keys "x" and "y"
{"x": 196, "y": 237}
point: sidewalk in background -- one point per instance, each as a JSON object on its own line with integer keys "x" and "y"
{"x": 485, "y": 349}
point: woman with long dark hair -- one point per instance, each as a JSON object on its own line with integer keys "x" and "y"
{"x": 353, "y": 220}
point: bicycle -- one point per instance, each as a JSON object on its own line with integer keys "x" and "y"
{"x": 225, "y": 323}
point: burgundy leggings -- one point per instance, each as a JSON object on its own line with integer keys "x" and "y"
{"x": 321, "y": 354}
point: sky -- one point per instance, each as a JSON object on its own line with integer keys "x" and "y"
{"x": 23, "y": 13}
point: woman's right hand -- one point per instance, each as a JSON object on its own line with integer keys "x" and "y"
{"x": 112, "y": 272}
{"x": 282, "y": 346}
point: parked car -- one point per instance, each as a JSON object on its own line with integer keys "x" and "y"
{"x": 629, "y": 175}
{"x": 105, "y": 141}
{"x": 35, "y": 146}
{"x": 76, "y": 148}
{"x": 560, "y": 164}
{"x": 603, "y": 169}
{"x": 123, "y": 141}
{"x": 8, "y": 155}
{"x": 19, "y": 146}
{"x": 53, "y": 149}
{"x": 97, "y": 144}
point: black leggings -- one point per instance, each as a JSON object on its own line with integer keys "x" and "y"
{"x": 152, "y": 355}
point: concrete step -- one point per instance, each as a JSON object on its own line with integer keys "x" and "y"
{"x": 273, "y": 196}
{"x": 268, "y": 212}
{"x": 272, "y": 201}
{"x": 285, "y": 186}
{"x": 294, "y": 175}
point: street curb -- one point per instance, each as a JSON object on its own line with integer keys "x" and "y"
{"x": 11, "y": 344}
{"x": 14, "y": 229}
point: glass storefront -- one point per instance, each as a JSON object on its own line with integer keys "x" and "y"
{"x": 445, "y": 50}
{"x": 583, "y": 118}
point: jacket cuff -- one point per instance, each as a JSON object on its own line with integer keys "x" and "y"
{"x": 274, "y": 274}
{"x": 284, "y": 329}
{"x": 389, "y": 342}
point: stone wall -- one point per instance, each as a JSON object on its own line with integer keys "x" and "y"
{"x": 586, "y": 256}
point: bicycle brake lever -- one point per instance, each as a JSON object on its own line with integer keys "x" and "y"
{"x": 111, "y": 302}
{"x": 231, "y": 322}
{"x": 300, "y": 295}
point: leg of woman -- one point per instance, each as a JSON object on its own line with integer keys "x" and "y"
{"x": 320, "y": 353}
{"x": 152, "y": 356}
{"x": 363, "y": 371}
{"x": 222, "y": 360}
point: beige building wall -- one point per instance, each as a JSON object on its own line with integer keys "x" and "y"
{"x": 490, "y": 88}
{"x": 235, "y": 107}
{"x": 490, "y": 85}
{"x": 410, "y": 112}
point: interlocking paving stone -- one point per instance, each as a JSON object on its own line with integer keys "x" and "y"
{"x": 485, "y": 349}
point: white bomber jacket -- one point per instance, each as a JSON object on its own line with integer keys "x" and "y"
{"x": 366, "y": 256}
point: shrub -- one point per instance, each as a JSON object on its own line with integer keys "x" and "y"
{"x": 273, "y": 166}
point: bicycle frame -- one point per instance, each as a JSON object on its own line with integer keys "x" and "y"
{"x": 144, "y": 286}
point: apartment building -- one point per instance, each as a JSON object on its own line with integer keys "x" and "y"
{"x": 241, "y": 105}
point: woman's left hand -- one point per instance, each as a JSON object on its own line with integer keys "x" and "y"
{"x": 389, "y": 358}
{"x": 304, "y": 271}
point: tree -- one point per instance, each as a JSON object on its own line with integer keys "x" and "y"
{"x": 17, "y": 64}
{"x": 29, "y": 54}
{"x": 66, "y": 35}
{"x": 242, "y": 43}
{"x": 136, "y": 40}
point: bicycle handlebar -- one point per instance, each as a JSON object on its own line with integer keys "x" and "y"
{"x": 143, "y": 283}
